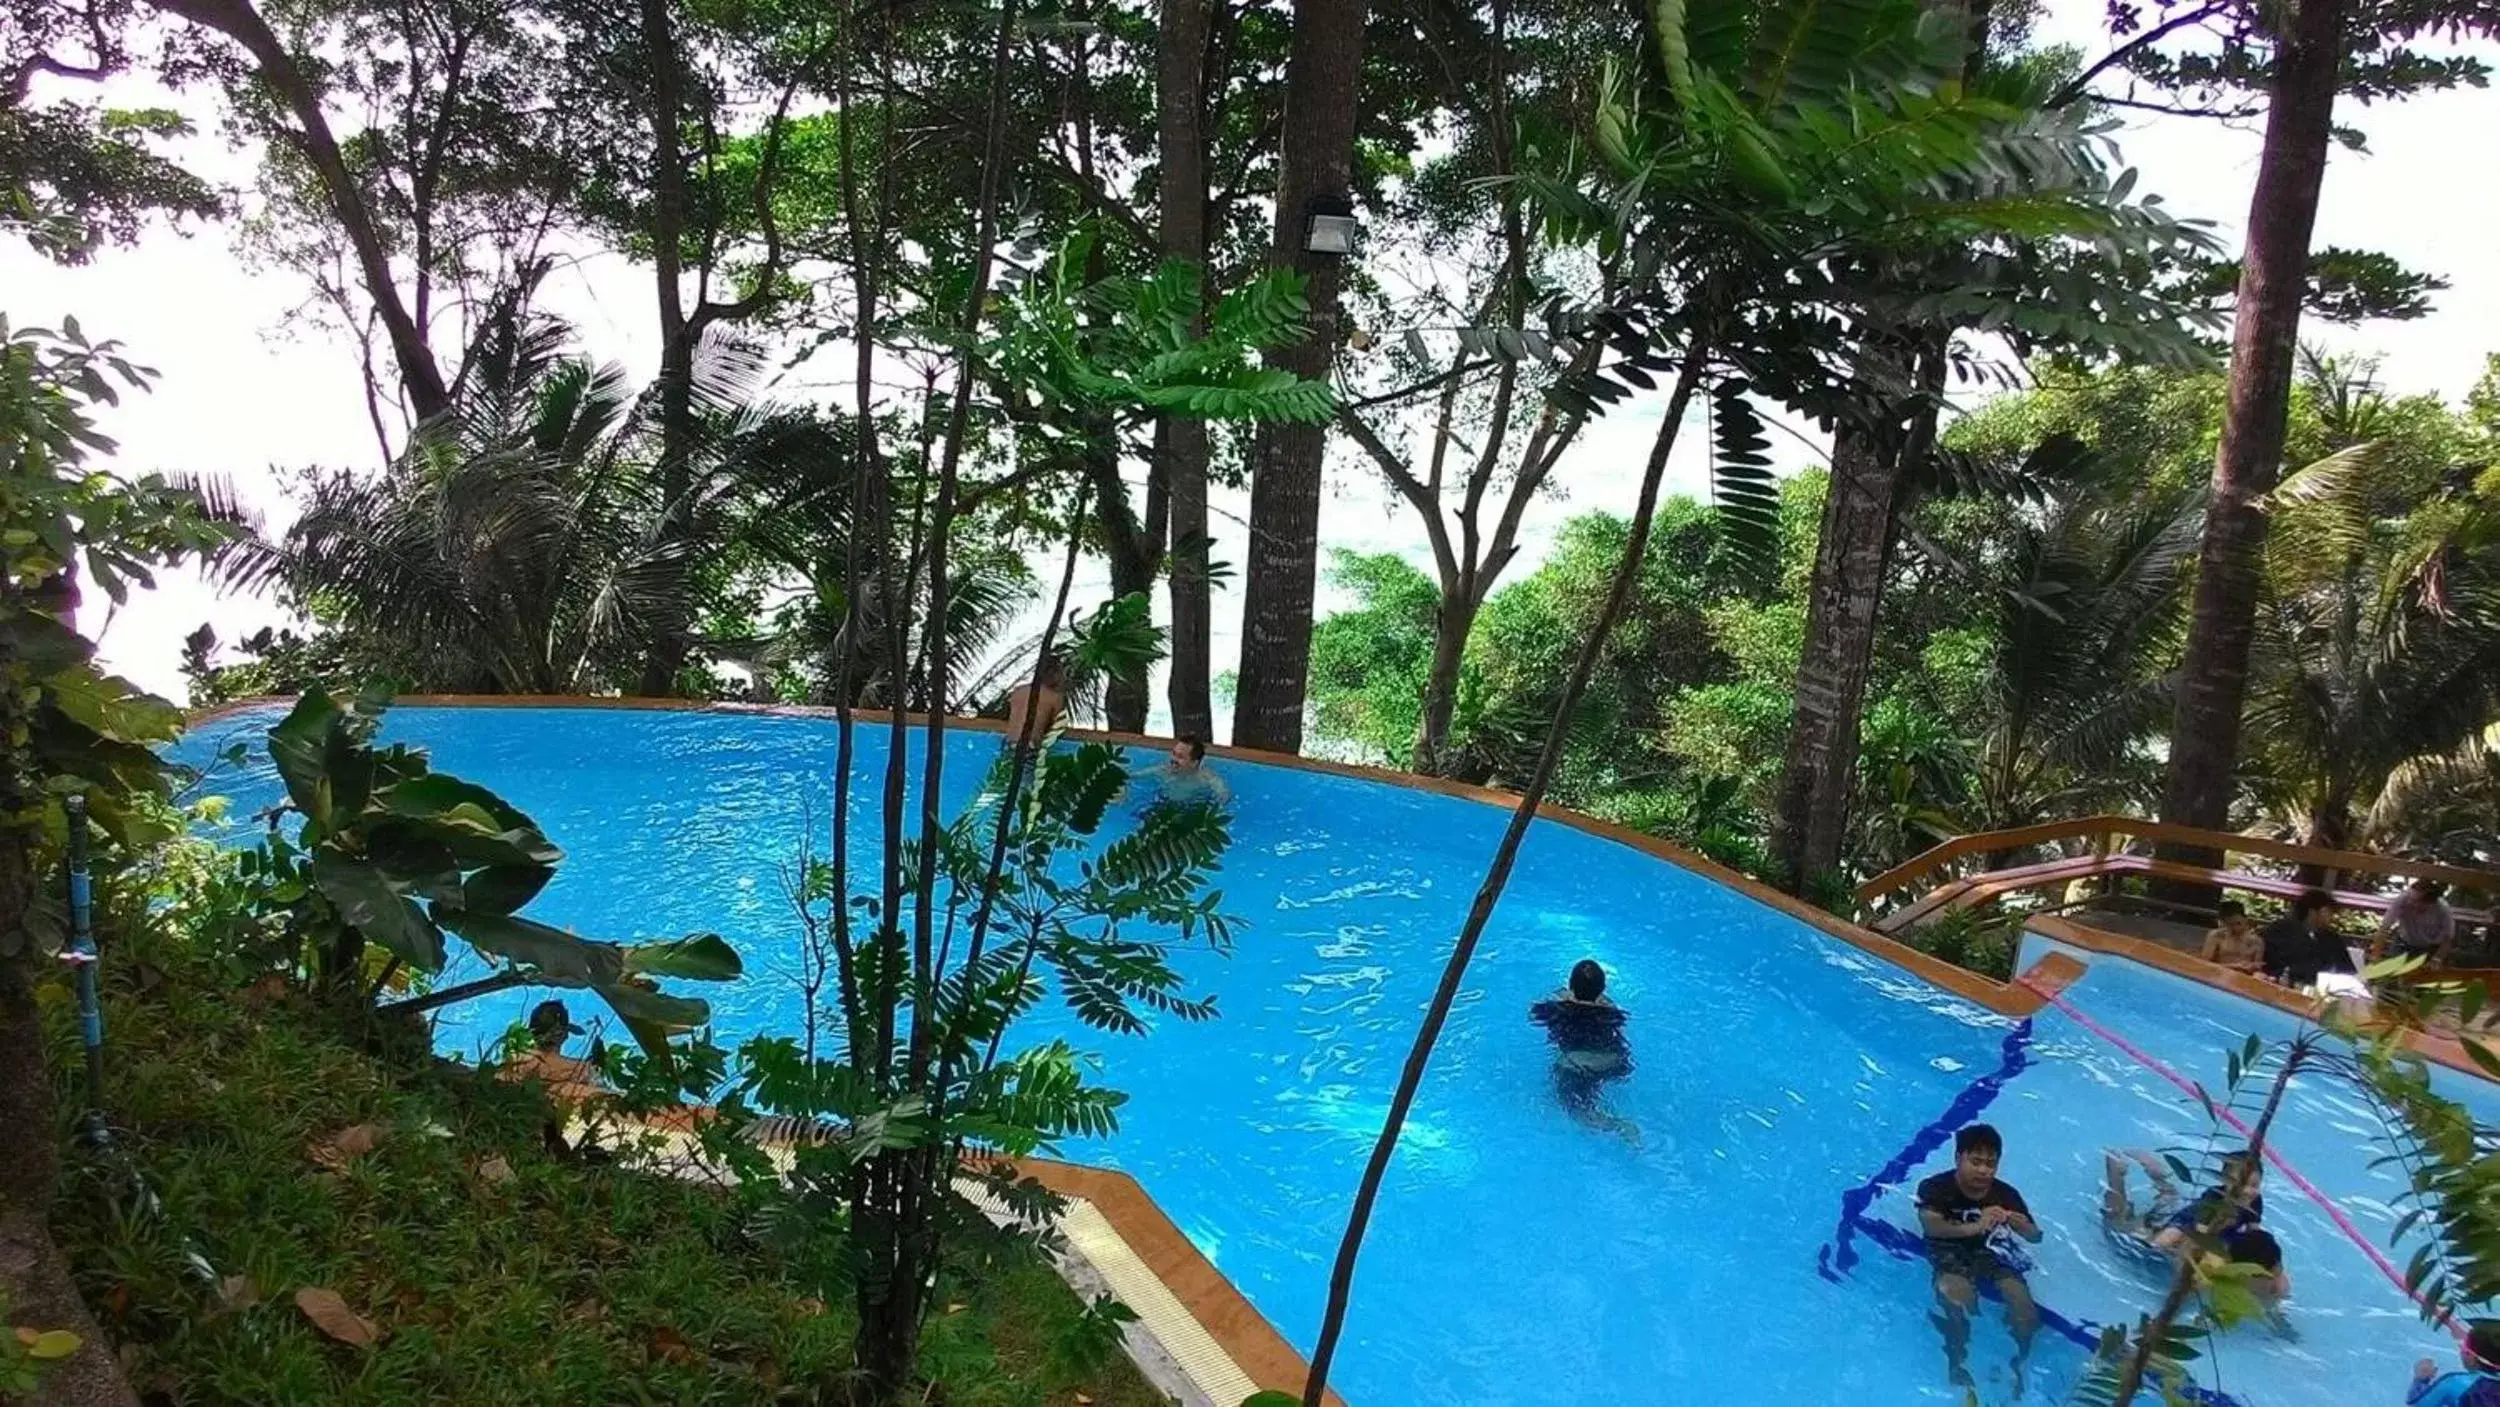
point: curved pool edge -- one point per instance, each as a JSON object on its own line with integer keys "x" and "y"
{"x": 2102, "y": 943}
{"x": 2016, "y": 999}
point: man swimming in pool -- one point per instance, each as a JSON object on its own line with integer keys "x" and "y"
{"x": 1590, "y": 1051}
{"x": 1974, "y": 1222}
{"x": 1184, "y": 778}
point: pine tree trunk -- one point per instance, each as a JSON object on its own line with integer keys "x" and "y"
{"x": 1820, "y": 776}
{"x": 1181, "y": 441}
{"x": 1451, "y": 625}
{"x": 1323, "y": 81}
{"x": 2213, "y": 673}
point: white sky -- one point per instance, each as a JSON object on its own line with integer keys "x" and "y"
{"x": 244, "y": 396}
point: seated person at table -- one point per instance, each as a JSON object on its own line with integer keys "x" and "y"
{"x": 2300, "y": 945}
{"x": 2233, "y": 941}
{"x": 1184, "y": 779}
{"x": 2477, "y": 1386}
{"x": 1590, "y": 1051}
{"x": 1972, "y": 1219}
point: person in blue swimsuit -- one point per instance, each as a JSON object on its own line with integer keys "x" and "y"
{"x": 2167, "y": 1228}
{"x": 1590, "y": 1051}
{"x": 2478, "y": 1385}
{"x": 2170, "y": 1220}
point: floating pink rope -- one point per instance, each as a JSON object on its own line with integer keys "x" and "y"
{"x": 2290, "y": 1173}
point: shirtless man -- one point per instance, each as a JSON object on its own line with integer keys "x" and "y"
{"x": 1033, "y": 707}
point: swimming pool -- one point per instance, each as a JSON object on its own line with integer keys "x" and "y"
{"x": 1517, "y": 1258}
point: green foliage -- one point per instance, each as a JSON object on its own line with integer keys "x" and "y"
{"x": 1030, "y": 895}
{"x": 491, "y": 1268}
{"x": 2377, "y": 656}
{"x": 1368, "y": 663}
{"x": 67, "y": 728}
{"x": 1118, "y": 640}
{"x": 1982, "y": 938}
{"x": 1795, "y": 169}
{"x": 28, "y": 1354}
{"x": 75, "y": 176}
{"x": 541, "y": 539}
{"x": 394, "y": 854}
{"x": 1067, "y": 343}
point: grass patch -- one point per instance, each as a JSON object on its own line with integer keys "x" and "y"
{"x": 487, "y": 1269}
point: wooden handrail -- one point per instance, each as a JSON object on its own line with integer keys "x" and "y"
{"x": 1936, "y": 858}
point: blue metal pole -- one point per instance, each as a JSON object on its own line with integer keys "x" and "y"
{"x": 81, "y": 954}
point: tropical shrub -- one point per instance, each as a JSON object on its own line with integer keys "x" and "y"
{"x": 391, "y": 856}
{"x": 906, "y": 1079}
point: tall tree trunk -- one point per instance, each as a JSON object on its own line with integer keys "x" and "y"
{"x": 237, "y": 20}
{"x": 1323, "y": 81}
{"x": 1134, "y": 549}
{"x": 2222, "y": 614}
{"x": 1181, "y": 441}
{"x": 1453, "y": 621}
{"x": 1818, "y": 780}
{"x": 1846, "y": 596}
{"x": 667, "y": 650}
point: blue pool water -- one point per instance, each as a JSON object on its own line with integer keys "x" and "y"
{"x": 1517, "y": 1258}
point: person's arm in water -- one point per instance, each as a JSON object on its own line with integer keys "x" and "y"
{"x": 2018, "y": 1216}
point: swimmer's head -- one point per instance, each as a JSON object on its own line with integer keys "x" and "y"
{"x": 2482, "y": 1345}
{"x": 2254, "y": 1247}
{"x": 1188, "y": 750}
{"x": 2241, "y": 1174}
{"x": 1588, "y": 980}
{"x": 1977, "y": 1149}
{"x": 2230, "y": 911}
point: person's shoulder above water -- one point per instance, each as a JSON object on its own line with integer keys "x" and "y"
{"x": 1583, "y": 996}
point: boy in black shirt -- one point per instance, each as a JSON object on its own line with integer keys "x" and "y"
{"x": 1971, "y": 1219}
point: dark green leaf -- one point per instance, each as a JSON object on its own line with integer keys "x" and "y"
{"x": 701, "y": 957}
{"x": 368, "y": 903}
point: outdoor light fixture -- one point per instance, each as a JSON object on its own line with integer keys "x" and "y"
{"x": 1333, "y": 228}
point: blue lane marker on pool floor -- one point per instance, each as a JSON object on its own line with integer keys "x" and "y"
{"x": 1840, "y": 1255}
{"x": 1836, "y": 1258}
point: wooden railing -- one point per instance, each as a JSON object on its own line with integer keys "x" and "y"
{"x": 2104, "y": 854}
